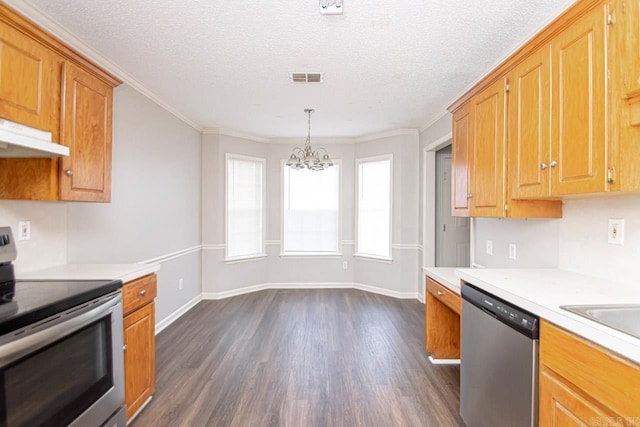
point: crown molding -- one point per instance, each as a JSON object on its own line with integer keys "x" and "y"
{"x": 301, "y": 141}
{"x": 235, "y": 134}
{"x": 66, "y": 36}
{"x": 433, "y": 120}
{"x": 388, "y": 134}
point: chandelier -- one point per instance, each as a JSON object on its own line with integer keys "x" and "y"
{"x": 301, "y": 158}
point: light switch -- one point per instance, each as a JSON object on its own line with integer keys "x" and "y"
{"x": 512, "y": 250}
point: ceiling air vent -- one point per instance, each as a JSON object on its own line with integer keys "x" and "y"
{"x": 306, "y": 77}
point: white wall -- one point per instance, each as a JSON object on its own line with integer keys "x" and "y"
{"x": 400, "y": 276}
{"x": 536, "y": 242}
{"x": 583, "y": 243}
{"x": 155, "y": 201}
{"x": 577, "y": 242}
{"x": 154, "y": 209}
{"x": 48, "y": 244}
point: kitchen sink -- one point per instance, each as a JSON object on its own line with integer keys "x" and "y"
{"x": 625, "y": 318}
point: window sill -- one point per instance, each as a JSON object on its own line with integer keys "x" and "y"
{"x": 385, "y": 260}
{"x": 236, "y": 260}
{"x": 311, "y": 255}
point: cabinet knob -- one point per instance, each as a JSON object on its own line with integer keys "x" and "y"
{"x": 553, "y": 163}
{"x": 440, "y": 293}
{"x": 142, "y": 293}
{"x": 469, "y": 196}
{"x": 543, "y": 166}
{"x": 124, "y": 347}
{"x": 69, "y": 172}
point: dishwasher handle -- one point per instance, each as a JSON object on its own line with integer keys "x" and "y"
{"x": 489, "y": 312}
{"x": 516, "y": 318}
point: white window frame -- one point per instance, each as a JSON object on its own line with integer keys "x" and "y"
{"x": 357, "y": 253}
{"x": 263, "y": 253}
{"x": 310, "y": 255}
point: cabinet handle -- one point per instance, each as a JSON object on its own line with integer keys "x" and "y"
{"x": 124, "y": 347}
{"x": 69, "y": 172}
{"x": 553, "y": 163}
{"x": 440, "y": 293}
{"x": 142, "y": 293}
{"x": 543, "y": 166}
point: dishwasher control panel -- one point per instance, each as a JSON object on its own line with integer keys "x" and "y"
{"x": 502, "y": 310}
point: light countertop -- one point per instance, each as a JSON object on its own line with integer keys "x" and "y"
{"x": 124, "y": 272}
{"x": 446, "y": 276}
{"x": 543, "y": 291}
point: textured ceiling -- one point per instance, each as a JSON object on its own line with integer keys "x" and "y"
{"x": 387, "y": 64}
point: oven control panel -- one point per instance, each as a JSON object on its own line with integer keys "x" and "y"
{"x": 8, "y": 250}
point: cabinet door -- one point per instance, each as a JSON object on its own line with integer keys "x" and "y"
{"x": 86, "y": 129}
{"x": 528, "y": 127}
{"x": 628, "y": 15}
{"x": 561, "y": 405}
{"x": 139, "y": 358}
{"x": 30, "y": 83}
{"x": 487, "y": 151}
{"x": 579, "y": 70}
{"x": 460, "y": 162}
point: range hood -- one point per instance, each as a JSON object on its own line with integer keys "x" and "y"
{"x": 22, "y": 141}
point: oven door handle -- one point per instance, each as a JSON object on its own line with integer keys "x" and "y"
{"x": 22, "y": 346}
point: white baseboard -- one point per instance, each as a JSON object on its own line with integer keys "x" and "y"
{"x": 386, "y": 292}
{"x": 421, "y": 298}
{"x": 308, "y": 285}
{"x": 233, "y": 292}
{"x": 160, "y": 326}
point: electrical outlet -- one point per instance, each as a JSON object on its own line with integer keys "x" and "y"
{"x": 615, "y": 232}
{"x": 180, "y": 284}
{"x": 24, "y": 230}
{"x": 512, "y": 250}
{"x": 489, "y": 247}
{"x": 345, "y": 265}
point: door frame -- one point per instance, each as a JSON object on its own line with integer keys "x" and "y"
{"x": 429, "y": 209}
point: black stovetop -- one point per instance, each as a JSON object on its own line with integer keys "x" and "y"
{"x": 35, "y": 300}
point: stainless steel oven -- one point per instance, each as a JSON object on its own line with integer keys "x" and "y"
{"x": 65, "y": 369}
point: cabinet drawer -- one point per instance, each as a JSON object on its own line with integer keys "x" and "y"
{"x": 138, "y": 293}
{"x": 444, "y": 294}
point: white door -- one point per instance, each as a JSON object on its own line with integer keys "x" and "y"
{"x": 452, "y": 233}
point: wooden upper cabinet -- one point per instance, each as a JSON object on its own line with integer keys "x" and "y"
{"x": 86, "y": 123}
{"x": 460, "y": 161}
{"x": 627, "y": 14}
{"x": 528, "y": 126}
{"x": 624, "y": 95}
{"x": 49, "y": 86}
{"x": 30, "y": 83}
{"x": 578, "y": 105}
{"x": 487, "y": 151}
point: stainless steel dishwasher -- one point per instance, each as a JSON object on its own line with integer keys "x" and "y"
{"x": 499, "y": 362}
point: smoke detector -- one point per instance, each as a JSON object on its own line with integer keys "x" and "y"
{"x": 331, "y": 7}
{"x": 306, "y": 77}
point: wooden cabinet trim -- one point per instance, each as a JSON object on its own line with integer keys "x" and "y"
{"x": 567, "y": 18}
{"x": 32, "y": 30}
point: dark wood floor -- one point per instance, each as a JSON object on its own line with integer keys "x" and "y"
{"x": 301, "y": 358}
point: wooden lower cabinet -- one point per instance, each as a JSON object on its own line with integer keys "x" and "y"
{"x": 582, "y": 384}
{"x": 442, "y": 321}
{"x": 139, "y": 341}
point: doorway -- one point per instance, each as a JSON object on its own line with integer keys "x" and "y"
{"x": 452, "y": 233}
